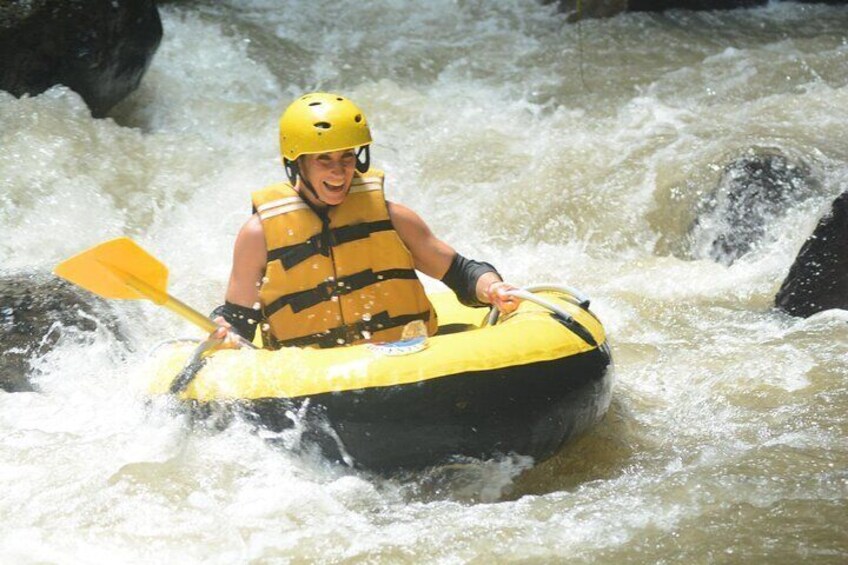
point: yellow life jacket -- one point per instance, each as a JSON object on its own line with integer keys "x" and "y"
{"x": 337, "y": 280}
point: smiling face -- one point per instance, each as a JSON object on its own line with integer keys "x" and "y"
{"x": 330, "y": 174}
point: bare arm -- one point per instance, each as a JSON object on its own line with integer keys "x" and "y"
{"x": 249, "y": 259}
{"x": 432, "y": 256}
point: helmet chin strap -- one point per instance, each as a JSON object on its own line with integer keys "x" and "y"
{"x": 314, "y": 193}
{"x": 293, "y": 172}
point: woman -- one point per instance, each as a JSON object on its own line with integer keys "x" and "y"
{"x": 325, "y": 260}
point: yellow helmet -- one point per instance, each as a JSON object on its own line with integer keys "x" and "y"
{"x": 320, "y": 123}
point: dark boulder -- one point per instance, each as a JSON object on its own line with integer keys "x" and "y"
{"x": 98, "y": 48}
{"x": 589, "y": 9}
{"x": 661, "y": 5}
{"x": 753, "y": 191}
{"x": 818, "y": 279}
{"x": 36, "y": 311}
{"x": 607, "y": 8}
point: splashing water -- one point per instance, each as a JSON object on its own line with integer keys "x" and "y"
{"x": 726, "y": 438}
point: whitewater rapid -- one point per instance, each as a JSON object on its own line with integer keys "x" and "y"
{"x": 726, "y": 440}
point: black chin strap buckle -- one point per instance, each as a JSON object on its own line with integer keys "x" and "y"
{"x": 292, "y": 170}
{"x": 363, "y": 159}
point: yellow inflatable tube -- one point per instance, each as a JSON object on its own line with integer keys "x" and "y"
{"x": 525, "y": 385}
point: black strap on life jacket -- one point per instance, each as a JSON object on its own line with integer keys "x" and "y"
{"x": 304, "y": 299}
{"x": 321, "y": 243}
{"x": 350, "y": 333}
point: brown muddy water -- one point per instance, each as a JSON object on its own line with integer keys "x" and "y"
{"x": 727, "y": 439}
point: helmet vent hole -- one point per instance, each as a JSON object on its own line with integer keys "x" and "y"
{"x": 357, "y": 118}
{"x": 322, "y": 125}
{"x": 315, "y": 103}
{"x": 339, "y": 99}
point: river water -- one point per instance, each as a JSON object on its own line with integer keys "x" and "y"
{"x": 559, "y": 153}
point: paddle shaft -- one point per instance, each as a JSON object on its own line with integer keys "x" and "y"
{"x": 198, "y": 319}
{"x": 190, "y": 314}
{"x": 160, "y": 296}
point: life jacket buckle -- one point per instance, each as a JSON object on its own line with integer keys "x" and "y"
{"x": 326, "y": 290}
{"x": 324, "y": 241}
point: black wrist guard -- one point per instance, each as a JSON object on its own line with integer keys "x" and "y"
{"x": 243, "y": 320}
{"x": 462, "y": 277}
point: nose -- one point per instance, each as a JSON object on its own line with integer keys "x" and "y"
{"x": 337, "y": 169}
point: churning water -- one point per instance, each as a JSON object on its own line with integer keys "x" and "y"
{"x": 560, "y": 154}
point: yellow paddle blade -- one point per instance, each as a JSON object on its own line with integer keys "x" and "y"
{"x": 119, "y": 268}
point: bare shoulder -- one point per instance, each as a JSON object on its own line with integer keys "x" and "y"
{"x": 405, "y": 220}
{"x": 249, "y": 258}
{"x": 251, "y": 237}
{"x": 253, "y": 225}
{"x": 252, "y": 228}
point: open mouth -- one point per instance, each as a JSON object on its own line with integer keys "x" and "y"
{"x": 334, "y": 187}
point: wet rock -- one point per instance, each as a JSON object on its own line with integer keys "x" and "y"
{"x": 98, "y": 48}
{"x": 608, "y": 8}
{"x": 818, "y": 279}
{"x": 754, "y": 191}
{"x": 662, "y": 5}
{"x": 36, "y": 310}
{"x": 589, "y": 9}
